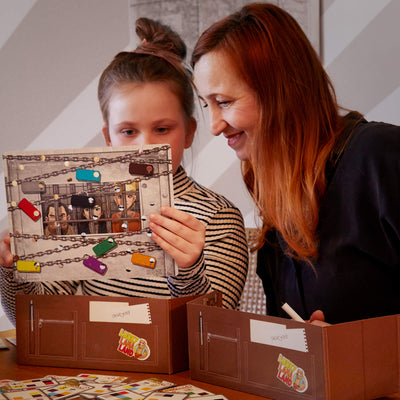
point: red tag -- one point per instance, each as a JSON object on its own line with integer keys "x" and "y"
{"x": 29, "y": 209}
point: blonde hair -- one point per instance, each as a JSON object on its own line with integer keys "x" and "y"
{"x": 158, "y": 58}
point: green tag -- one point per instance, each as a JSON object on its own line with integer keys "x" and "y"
{"x": 104, "y": 246}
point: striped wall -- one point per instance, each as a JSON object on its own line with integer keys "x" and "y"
{"x": 52, "y": 52}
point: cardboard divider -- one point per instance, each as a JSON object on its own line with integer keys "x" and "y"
{"x": 113, "y": 333}
{"x": 284, "y": 359}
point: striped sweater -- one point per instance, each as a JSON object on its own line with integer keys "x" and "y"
{"x": 222, "y": 266}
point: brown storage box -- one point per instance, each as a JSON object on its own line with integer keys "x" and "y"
{"x": 284, "y": 359}
{"x": 103, "y": 332}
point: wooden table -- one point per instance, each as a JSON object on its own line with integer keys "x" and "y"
{"x": 9, "y": 369}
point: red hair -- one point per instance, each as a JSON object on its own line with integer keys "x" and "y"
{"x": 299, "y": 119}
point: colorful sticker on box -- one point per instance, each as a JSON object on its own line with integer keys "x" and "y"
{"x": 291, "y": 375}
{"x": 133, "y": 346}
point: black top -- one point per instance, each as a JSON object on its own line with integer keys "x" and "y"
{"x": 357, "y": 274}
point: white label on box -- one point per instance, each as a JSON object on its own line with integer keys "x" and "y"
{"x": 121, "y": 312}
{"x": 278, "y": 335}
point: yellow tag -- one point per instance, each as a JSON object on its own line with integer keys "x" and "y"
{"x": 28, "y": 266}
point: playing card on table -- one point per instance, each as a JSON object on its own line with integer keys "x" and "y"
{"x": 33, "y": 383}
{"x": 99, "y": 389}
{"x": 211, "y": 397}
{"x": 122, "y": 395}
{"x": 190, "y": 390}
{"x": 149, "y": 385}
{"x": 71, "y": 387}
{"x": 29, "y": 394}
{"x": 103, "y": 378}
{"x": 166, "y": 396}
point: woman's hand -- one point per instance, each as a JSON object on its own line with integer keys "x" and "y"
{"x": 178, "y": 233}
{"x": 6, "y": 258}
{"x": 318, "y": 318}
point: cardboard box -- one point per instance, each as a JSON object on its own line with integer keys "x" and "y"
{"x": 98, "y": 332}
{"x": 284, "y": 359}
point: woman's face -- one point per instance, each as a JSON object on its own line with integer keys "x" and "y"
{"x": 148, "y": 113}
{"x": 232, "y": 104}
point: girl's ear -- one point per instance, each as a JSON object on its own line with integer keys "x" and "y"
{"x": 106, "y": 135}
{"x": 190, "y": 132}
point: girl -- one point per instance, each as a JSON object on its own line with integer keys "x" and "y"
{"x": 146, "y": 97}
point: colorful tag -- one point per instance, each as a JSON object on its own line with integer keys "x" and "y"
{"x": 95, "y": 265}
{"x": 104, "y": 246}
{"x": 28, "y": 266}
{"x": 143, "y": 260}
{"x": 29, "y": 209}
{"x": 87, "y": 175}
{"x": 141, "y": 169}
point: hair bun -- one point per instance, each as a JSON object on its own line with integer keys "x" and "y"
{"x": 159, "y": 36}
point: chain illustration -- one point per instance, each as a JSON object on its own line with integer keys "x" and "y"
{"x": 95, "y": 189}
{"x": 90, "y": 162}
{"x": 140, "y": 247}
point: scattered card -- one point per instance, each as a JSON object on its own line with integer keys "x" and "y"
{"x": 103, "y": 378}
{"x": 30, "y": 394}
{"x": 165, "y": 396}
{"x": 188, "y": 389}
{"x": 99, "y": 389}
{"x": 66, "y": 390}
{"x": 33, "y": 383}
{"x": 122, "y": 395}
{"x": 211, "y": 397}
{"x": 149, "y": 385}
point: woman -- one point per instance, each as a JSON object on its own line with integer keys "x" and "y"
{"x": 326, "y": 185}
{"x": 146, "y": 97}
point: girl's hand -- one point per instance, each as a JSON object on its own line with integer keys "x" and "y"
{"x": 6, "y": 258}
{"x": 178, "y": 233}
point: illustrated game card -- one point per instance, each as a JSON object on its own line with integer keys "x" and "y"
{"x": 165, "y": 396}
{"x": 66, "y": 390}
{"x": 188, "y": 389}
{"x": 122, "y": 395}
{"x": 5, "y": 385}
{"x": 103, "y": 378}
{"x": 84, "y": 213}
{"x": 33, "y": 383}
{"x": 30, "y": 394}
{"x": 99, "y": 389}
{"x": 210, "y": 397}
{"x": 149, "y": 385}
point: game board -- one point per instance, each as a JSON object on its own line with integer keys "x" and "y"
{"x": 83, "y": 213}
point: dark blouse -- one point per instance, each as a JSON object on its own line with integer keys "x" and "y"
{"x": 357, "y": 274}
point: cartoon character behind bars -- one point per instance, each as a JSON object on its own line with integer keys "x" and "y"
{"x": 126, "y": 218}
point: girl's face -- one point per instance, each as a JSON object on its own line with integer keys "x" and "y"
{"x": 148, "y": 113}
{"x": 232, "y": 104}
